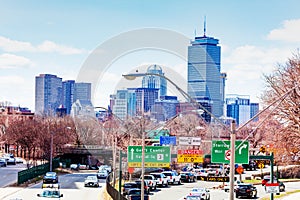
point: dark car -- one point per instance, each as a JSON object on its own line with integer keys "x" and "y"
{"x": 245, "y": 190}
{"x": 135, "y": 194}
{"x": 129, "y": 185}
{"x": 251, "y": 166}
{"x": 146, "y": 186}
{"x": 50, "y": 177}
{"x": 187, "y": 177}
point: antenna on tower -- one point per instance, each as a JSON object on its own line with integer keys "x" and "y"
{"x": 204, "y": 26}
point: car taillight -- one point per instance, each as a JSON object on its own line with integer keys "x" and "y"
{"x": 160, "y": 179}
{"x": 187, "y": 176}
{"x": 248, "y": 190}
{"x": 170, "y": 177}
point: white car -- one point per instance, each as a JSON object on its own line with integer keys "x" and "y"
{"x": 161, "y": 179}
{"x": 105, "y": 167}
{"x": 203, "y": 193}
{"x": 50, "y": 191}
{"x": 102, "y": 174}
{"x": 173, "y": 177}
{"x": 91, "y": 181}
{"x": 151, "y": 181}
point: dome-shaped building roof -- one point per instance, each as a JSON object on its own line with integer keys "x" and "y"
{"x": 154, "y": 68}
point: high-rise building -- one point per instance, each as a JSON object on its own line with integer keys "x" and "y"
{"x": 120, "y": 106}
{"x": 239, "y": 108}
{"x": 48, "y": 94}
{"x": 68, "y": 94}
{"x": 204, "y": 76}
{"x": 165, "y": 108}
{"x": 155, "y": 82}
{"x": 82, "y": 91}
{"x": 145, "y": 98}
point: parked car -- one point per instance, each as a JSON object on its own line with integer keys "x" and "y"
{"x": 74, "y": 166}
{"x": 187, "y": 177}
{"x": 151, "y": 181}
{"x": 172, "y": 177}
{"x": 102, "y": 173}
{"x": 50, "y": 177}
{"x": 202, "y": 192}
{"x": 19, "y": 160}
{"x": 245, "y": 190}
{"x": 129, "y": 185}
{"x": 161, "y": 179}
{"x": 91, "y": 181}
{"x": 135, "y": 194}
{"x": 3, "y": 162}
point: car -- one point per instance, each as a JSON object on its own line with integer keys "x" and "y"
{"x": 251, "y": 166}
{"x": 10, "y": 159}
{"x": 102, "y": 174}
{"x": 192, "y": 197}
{"x": 245, "y": 190}
{"x": 200, "y": 172}
{"x": 91, "y": 181}
{"x": 105, "y": 167}
{"x": 3, "y": 162}
{"x": 266, "y": 179}
{"x": 203, "y": 193}
{"x": 173, "y": 177}
{"x": 50, "y": 177}
{"x": 19, "y": 160}
{"x": 187, "y": 177}
{"x": 161, "y": 179}
{"x": 127, "y": 186}
{"x": 146, "y": 186}
{"x": 74, "y": 167}
{"x": 151, "y": 181}
{"x": 135, "y": 194}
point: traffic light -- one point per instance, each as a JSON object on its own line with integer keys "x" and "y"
{"x": 262, "y": 149}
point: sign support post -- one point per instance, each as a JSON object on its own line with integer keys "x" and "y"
{"x": 232, "y": 159}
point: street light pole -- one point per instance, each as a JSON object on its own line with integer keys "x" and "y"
{"x": 51, "y": 152}
{"x": 232, "y": 160}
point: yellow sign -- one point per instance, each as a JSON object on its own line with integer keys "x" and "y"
{"x": 148, "y": 164}
{"x": 260, "y": 165}
{"x": 188, "y": 158}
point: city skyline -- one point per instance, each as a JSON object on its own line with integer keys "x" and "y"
{"x": 56, "y": 38}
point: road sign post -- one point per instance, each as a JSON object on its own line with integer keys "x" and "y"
{"x": 221, "y": 152}
{"x": 155, "y": 156}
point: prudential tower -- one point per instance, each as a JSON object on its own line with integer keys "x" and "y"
{"x": 205, "y": 82}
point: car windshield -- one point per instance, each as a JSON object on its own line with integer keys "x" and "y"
{"x": 50, "y": 194}
{"x": 193, "y": 198}
{"x": 135, "y": 192}
{"x": 91, "y": 178}
{"x": 198, "y": 190}
{"x": 50, "y": 174}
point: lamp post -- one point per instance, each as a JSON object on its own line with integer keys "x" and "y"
{"x": 51, "y": 151}
{"x": 232, "y": 160}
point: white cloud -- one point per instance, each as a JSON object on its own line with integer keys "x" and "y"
{"x": 8, "y": 61}
{"x": 12, "y": 80}
{"x": 289, "y": 32}
{"x": 14, "y": 46}
{"x": 48, "y": 46}
{"x": 10, "y": 45}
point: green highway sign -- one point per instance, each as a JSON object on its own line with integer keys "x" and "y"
{"x": 155, "y": 156}
{"x": 220, "y": 152}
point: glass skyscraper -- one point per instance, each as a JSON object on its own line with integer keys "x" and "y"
{"x": 68, "y": 94}
{"x": 48, "y": 94}
{"x": 204, "y": 74}
{"x": 155, "y": 82}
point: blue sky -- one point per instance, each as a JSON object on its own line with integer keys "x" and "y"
{"x": 58, "y": 36}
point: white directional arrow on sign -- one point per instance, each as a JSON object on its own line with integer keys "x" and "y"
{"x": 244, "y": 146}
{"x": 132, "y": 150}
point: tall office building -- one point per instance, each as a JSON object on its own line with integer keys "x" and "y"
{"x": 239, "y": 108}
{"x": 204, "y": 76}
{"x": 48, "y": 94}
{"x": 82, "y": 91}
{"x": 68, "y": 94}
{"x": 145, "y": 99}
{"x": 121, "y": 104}
{"x": 155, "y": 82}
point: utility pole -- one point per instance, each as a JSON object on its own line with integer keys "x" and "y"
{"x": 232, "y": 160}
